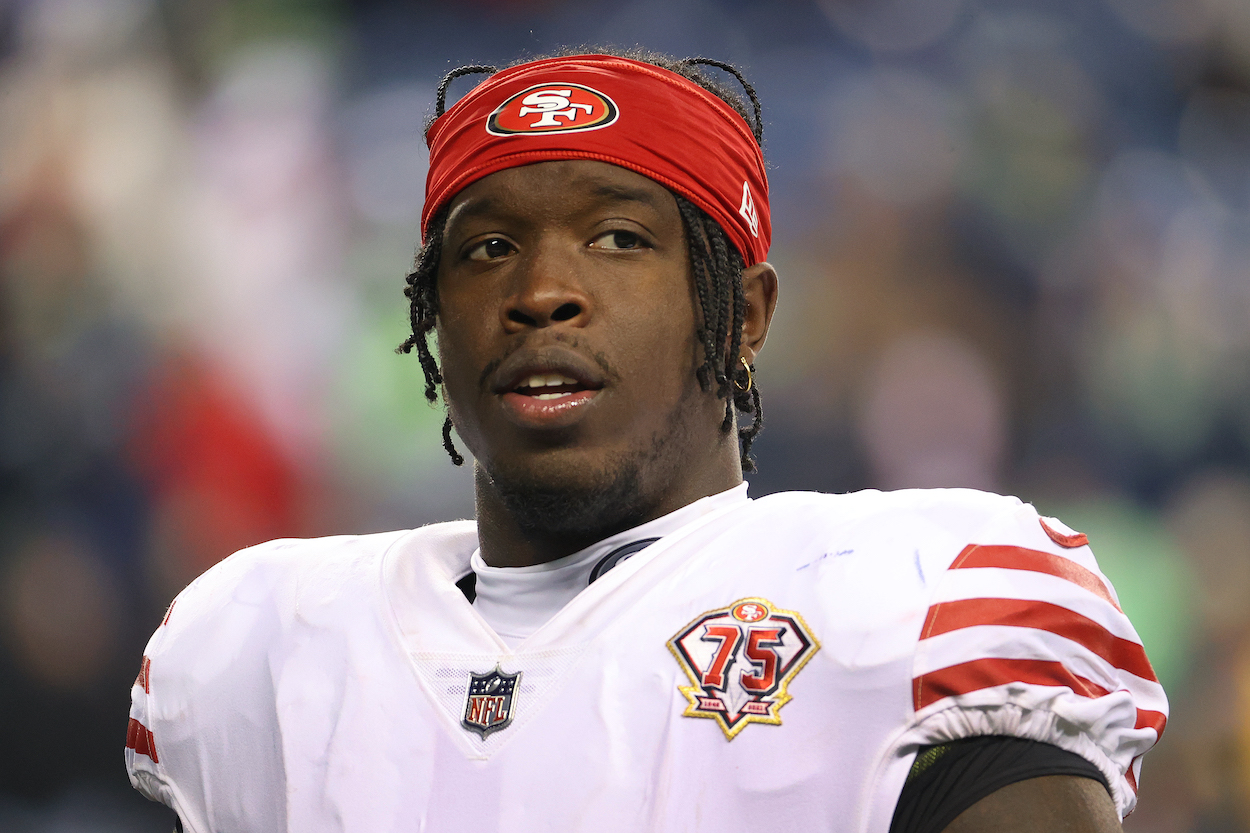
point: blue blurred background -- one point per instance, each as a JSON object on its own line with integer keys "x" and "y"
{"x": 1014, "y": 241}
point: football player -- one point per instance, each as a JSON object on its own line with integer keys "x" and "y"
{"x": 623, "y": 640}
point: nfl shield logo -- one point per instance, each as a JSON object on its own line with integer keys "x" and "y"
{"x": 491, "y": 701}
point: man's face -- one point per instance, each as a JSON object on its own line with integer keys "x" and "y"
{"x": 566, "y": 334}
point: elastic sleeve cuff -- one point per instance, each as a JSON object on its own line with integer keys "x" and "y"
{"x": 957, "y": 723}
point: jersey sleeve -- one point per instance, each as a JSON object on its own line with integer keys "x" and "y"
{"x": 1024, "y": 637}
{"x": 143, "y": 762}
{"x": 197, "y": 701}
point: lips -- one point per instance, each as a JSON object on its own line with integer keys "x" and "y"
{"x": 547, "y": 388}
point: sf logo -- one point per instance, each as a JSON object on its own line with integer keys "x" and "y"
{"x": 553, "y": 105}
{"x": 739, "y": 660}
{"x": 552, "y": 108}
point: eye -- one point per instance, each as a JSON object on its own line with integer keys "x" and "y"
{"x": 619, "y": 240}
{"x": 490, "y": 249}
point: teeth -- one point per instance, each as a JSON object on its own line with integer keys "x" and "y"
{"x": 549, "y": 395}
{"x": 539, "y": 380}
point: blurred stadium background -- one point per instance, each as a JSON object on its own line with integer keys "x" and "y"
{"x": 1014, "y": 240}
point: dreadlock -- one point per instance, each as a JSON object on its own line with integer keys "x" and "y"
{"x": 715, "y": 264}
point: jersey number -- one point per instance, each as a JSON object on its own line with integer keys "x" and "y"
{"x": 761, "y": 650}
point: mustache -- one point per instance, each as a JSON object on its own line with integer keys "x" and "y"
{"x": 483, "y": 379}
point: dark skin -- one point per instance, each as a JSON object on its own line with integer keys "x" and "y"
{"x": 1050, "y": 804}
{"x": 580, "y": 269}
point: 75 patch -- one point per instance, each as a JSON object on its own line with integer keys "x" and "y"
{"x": 740, "y": 659}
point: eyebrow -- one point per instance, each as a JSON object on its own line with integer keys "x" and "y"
{"x": 471, "y": 208}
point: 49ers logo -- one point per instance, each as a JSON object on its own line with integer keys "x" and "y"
{"x": 552, "y": 108}
{"x": 739, "y": 660}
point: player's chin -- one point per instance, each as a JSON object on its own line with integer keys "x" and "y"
{"x": 554, "y": 466}
{"x": 569, "y": 491}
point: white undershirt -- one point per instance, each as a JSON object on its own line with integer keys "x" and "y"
{"x": 516, "y": 601}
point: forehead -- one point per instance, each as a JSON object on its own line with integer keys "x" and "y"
{"x": 563, "y": 188}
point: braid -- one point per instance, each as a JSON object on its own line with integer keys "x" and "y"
{"x": 440, "y": 99}
{"x": 714, "y": 260}
{"x": 715, "y": 267}
{"x": 722, "y": 265}
{"x": 456, "y": 458}
{"x": 739, "y": 312}
{"x": 421, "y": 289}
{"x": 757, "y": 124}
{"x": 697, "y": 248}
{"x": 747, "y": 435}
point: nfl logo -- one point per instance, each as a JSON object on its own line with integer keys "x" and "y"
{"x": 491, "y": 701}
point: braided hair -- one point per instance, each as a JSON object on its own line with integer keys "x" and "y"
{"x": 716, "y": 267}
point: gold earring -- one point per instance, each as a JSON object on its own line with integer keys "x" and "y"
{"x": 750, "y": 378}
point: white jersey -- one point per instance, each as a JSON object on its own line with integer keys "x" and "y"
{"x": 771, "y": 666}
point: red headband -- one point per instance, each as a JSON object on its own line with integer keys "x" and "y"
{"x": 616, "y": 110}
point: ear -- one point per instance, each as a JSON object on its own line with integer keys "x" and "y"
{"x": 759, "y": 288}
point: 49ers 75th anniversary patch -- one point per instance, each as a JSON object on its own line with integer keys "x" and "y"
{"x": 740, "y": 659}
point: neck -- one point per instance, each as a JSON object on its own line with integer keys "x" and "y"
{"x": 508, "y": 541}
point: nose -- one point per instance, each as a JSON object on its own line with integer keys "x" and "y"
{"x": 546, "y": 292}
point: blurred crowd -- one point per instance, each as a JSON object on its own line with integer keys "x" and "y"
{"x": 1014, "y": 246}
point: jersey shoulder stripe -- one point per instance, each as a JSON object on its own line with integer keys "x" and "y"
{"x": 979, "y": 674}
{"x": 1006, "y": 642}
{"x": 977, "y": 622}
{"x": 139, "y": 738}
{"x": 1025, "y": 613}
{"x": 976, "y": 556}
{"x": 988, "y": 672}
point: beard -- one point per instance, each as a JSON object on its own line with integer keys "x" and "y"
{"x": 585, "y": 508}
{"x": 588, "y": 506}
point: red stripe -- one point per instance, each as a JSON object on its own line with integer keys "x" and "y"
{"x": 1077, "y": 539}
{"x": 1147, "y": 719}
{"x": 1128, "y": 774}
{"x": 1019, "y": 558}
{"x": 145, "y": 669}
{"x": 966, "y": 613}
{"x": 139, "y": 738}
{"x": 986, "y": 673}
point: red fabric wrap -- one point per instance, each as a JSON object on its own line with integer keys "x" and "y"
{"x": 616, "y": 110}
